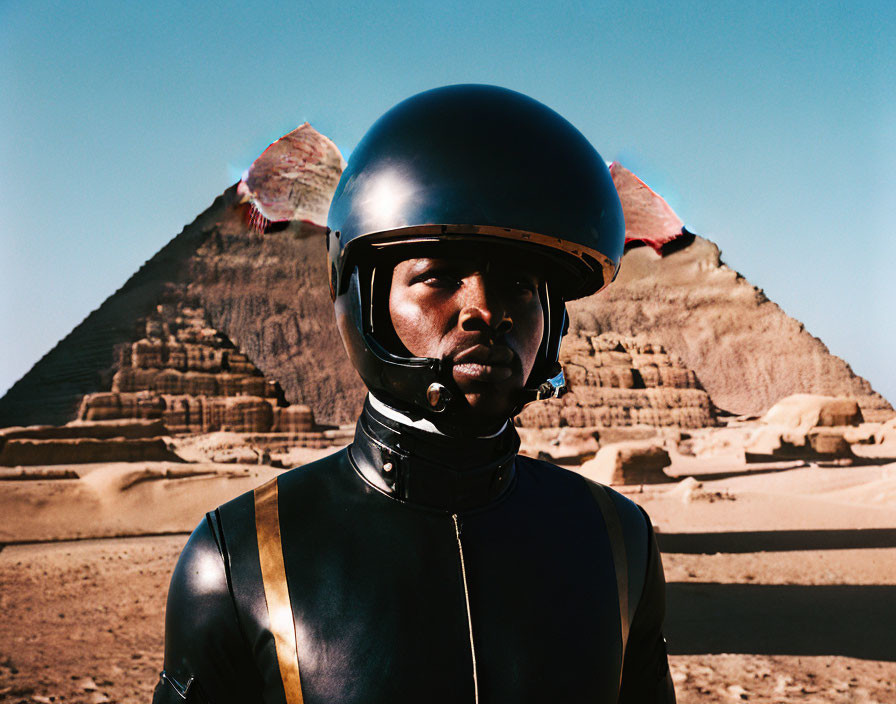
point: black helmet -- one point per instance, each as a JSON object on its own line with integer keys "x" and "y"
{"x": 472, "y": 164}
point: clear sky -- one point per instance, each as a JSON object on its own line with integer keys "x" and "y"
{"x": 770, "y": 127}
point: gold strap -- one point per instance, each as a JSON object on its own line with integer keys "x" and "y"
{"x": 276, "y": 591}
{"x": 617, "y": 546}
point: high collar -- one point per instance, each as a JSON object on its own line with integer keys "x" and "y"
{"x": 427, "y": 468}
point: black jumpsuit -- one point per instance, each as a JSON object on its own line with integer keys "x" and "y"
{"x": 419, "y": 569}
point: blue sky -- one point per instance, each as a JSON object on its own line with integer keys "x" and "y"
{"x": 769, "y": 127}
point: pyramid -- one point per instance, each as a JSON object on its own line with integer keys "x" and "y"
{"x": 268, "y": 296}
{"x": 747, "y": 352}
{"x": 193, "y": 379}
{"x": 619, "y": 381}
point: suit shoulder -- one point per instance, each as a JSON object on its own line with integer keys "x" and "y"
{"x": 546, "y": 471}
{"x": 635, "y": 520}
{"x": 313, "y": 473}
{"x": 200, "y": 573}
{"x": 633, "y": 517}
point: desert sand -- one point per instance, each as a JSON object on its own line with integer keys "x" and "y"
{"x": 781, "y": 577}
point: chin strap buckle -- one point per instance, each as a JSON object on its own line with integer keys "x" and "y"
{"x": 438, "y": 397}
{"x": 554, "y": 387}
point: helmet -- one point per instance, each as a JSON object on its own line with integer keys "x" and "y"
{"x": 478, "y": 165}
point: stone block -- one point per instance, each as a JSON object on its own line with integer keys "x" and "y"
{"x": 829, "y": 442}
{"x": 247, "y": 414}
{"x": 628, "y": 463}
{"x": 21, "y": 452}
{"x": 293, "y": 419}
{"x": 805, "y": 411}
{"x": 111, "y": 406}
{"x": 168, "y": 381}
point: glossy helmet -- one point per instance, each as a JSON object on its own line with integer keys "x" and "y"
{"x": 476, "y": 165}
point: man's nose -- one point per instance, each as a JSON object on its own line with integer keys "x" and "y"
{"x": 483, "y": 308}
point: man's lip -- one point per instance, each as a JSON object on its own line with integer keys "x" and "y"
{"x": 494, "y": 355}
{"x": 487, "y": 373}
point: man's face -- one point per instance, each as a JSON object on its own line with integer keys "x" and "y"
{"x": 483, "y": 317}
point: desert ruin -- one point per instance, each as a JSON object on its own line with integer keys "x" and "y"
{"x": 767, "y": 466}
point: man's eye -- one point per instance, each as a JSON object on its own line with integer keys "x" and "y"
{"x": 524, "y": 285}
{"x": 439, "y": 279}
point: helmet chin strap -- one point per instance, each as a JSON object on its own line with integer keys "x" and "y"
{"x": 420, "y": 423}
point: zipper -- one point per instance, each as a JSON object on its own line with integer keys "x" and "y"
{"x": 463, "y": 574}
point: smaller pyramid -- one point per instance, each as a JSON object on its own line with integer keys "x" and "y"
{"x": 618, "y": 381}
{"x": 191, "y": 377}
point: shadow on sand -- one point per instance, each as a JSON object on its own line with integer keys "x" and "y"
{"x": 777, "y": 540}
{"x": 852, "y": 621}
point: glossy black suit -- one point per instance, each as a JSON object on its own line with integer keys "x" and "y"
{"x": 379, "y": 595}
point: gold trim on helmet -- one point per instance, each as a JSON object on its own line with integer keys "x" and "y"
{"x": 590, "y": 259}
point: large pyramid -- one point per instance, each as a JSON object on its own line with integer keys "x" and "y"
{"x": 747, "y": 352}
{"x": 268, "y": 295}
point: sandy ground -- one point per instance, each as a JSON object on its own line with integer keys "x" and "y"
{"x": 781, "y": 580}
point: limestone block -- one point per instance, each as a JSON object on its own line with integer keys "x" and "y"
{"x": 229, "y": 384}
{"x": 130, "y": 379}
{"x": 148, "y": 354}
{"x": 123, "y": 428}
{"x": 575, "y": 345}
{"x": 200, "y": 384}
{"x": 109, "y": 406}
{"x": 691, "y": 417}
{"x": 773, "y": 442}
{"x": 658, "y": 417}
{"x": 576, "y": 374}
{"x": 615, "y": 377}
{"x": 82, "y": 450}
{"x": 542, "y": 414}
{"x": 202, "y": 358}
{"x": 213, "y": 414}
{"x": 183, "y": 414}
{"x": 168, "y": 381}
{"x": 237, "y": 363}
{"x": 247, "y": 414}
{"x": 253, "y": 386}
{"x": 293, "y": 419}
{"x": 571, "y": 445}
{"x": 607, "y": 343}
{"x": 862, "y": 434}
{"x": 583, "y": 360}
{"x": 886, "y": 433}
{"x": 635, "y": 462}
{"x": 176, "y": 357}
{"x": 829, "y": 442}
{"x": 650, "y": 359}
{"x": 649, "y": 375}
{"x": 677, "y": 377}
{"x": 611, "y": 358}
{"x": 806, "y": 411}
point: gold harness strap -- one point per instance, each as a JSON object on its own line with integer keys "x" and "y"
{"x": 617, "y": 546}
{"x": 276, "y": 591}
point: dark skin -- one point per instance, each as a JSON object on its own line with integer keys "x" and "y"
{"x": 484, "y": 317}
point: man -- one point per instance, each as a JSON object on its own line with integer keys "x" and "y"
{"x": 427, "y": 561}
